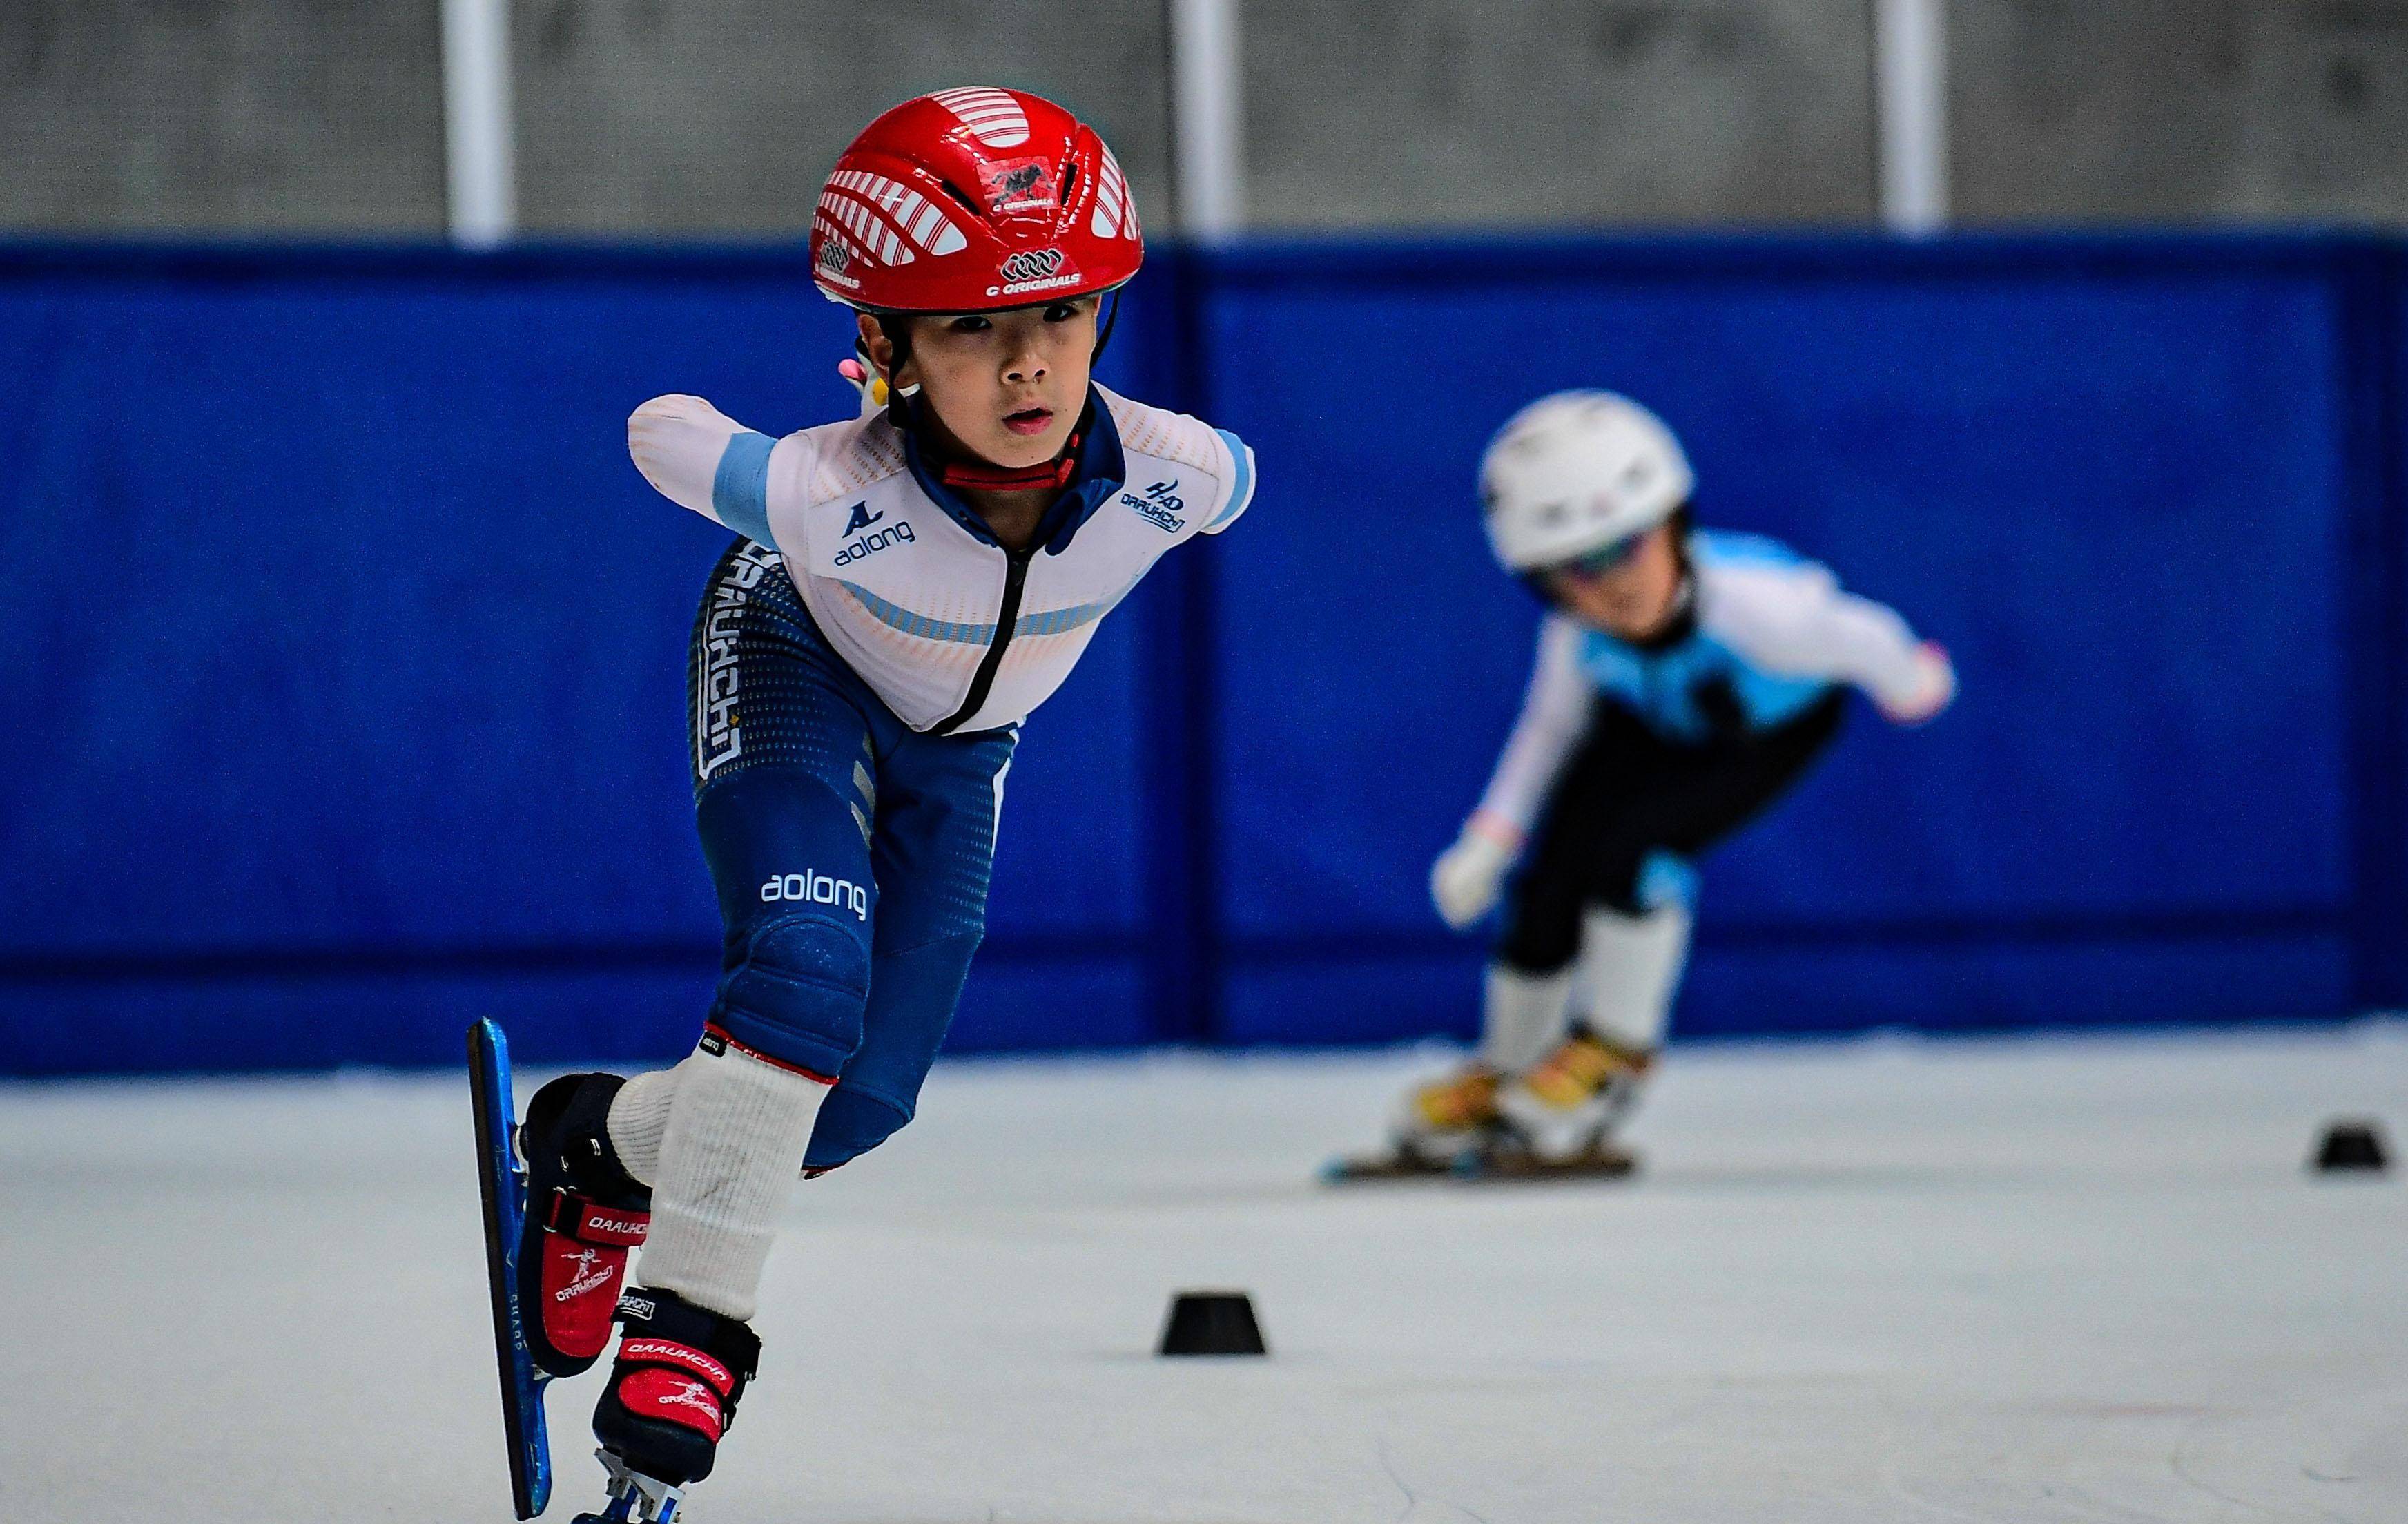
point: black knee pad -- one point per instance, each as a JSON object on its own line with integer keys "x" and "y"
{"x": 796, "y": 991}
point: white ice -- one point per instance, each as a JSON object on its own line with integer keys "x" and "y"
{"x": 2012, "y": 1280}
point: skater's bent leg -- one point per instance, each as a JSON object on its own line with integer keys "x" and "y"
{"x": 728, "y": 1164}
{"x": 1629, "y": 969}
{"x": 939, "y": 802}
{"x": 1585, "y": 814}
{"x": 1531, "y": 970}
{"x": 1704, "y": 797}
{"x": 912, "y": 1001}
{"x": 796, "y": 894}
{"x": 1522, "y": 1014}
{"x": 795, "y": 888}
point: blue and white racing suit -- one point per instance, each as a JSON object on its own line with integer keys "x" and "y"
{"x": 1631, "y": 757}
{"x": 861, "y": 663}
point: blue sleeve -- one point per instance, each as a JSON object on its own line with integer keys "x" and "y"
{"x": 740, "y": 489}
{"x": 1242, "y": 491}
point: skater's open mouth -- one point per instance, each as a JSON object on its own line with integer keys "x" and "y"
{"x": 1028, "y": 420}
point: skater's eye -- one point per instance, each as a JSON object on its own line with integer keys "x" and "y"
{"x": 969, "y": 322}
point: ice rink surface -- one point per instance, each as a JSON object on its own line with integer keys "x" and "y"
{"x": 2050, "y": 1280}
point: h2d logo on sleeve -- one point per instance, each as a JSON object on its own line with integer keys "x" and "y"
{"x": 814, "y": 888}
{"x": 1160, "y": 507}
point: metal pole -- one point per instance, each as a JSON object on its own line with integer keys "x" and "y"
{"x": 1207, "y": 114}
{"x": 481, "y": 156}
{"x": 1911, "y": 104}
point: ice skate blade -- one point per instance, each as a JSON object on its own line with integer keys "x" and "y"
{"x": 1398, "y": 1164}
{"x": 634, "y": 1498}
{"x": 1599, "y": 1161}
{"x": 502, "y": 1190}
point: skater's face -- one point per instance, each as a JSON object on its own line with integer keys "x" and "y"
{"x": 1005, "y": 387}
{"x": 1631, "y": 594}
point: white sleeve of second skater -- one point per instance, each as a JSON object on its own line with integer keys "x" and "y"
{"x": 1555, "y": 716}
{"x": 1796, "y": 621}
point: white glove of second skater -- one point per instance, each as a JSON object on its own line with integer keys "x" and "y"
{"x": 1465, "y": 880}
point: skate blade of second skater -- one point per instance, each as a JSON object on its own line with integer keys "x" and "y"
{"x": 1604, "y": 1162}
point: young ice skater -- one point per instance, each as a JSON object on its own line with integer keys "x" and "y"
{"x": 904, "y": 587}
{"x": 1686, "y": 679}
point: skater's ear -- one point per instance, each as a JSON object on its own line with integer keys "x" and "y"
{"x": 880, "y": 347}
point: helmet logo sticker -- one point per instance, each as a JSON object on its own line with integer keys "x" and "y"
{"x": 991, "y": 115}
{"x": 1032, "y": 264}
{"x": 1034, "y": 270}
{"x": 1019, "y": 185}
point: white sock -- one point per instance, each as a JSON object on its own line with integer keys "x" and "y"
{"x": 730, "y": 1158}
{"x": 1629, "y": 967}
{"x": 639, "y": 1114}
{"x": 1522, "y": 1017}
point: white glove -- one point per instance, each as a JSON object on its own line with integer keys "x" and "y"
{"x": 1464, "y": 879}
{"x": 1935, "y": 687}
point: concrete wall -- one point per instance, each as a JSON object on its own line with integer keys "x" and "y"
{"x": 2180, "y": 109}
{"x": 681, "y": 117}
{"x": 265, "y": 116}
{"x": 1406, "y": 111}
{"x": 717, "y": 117}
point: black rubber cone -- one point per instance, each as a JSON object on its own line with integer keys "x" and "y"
{"x": 1212, "y": 1323}
{"x": 2352, "y": 1143}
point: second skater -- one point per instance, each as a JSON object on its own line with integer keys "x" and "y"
{"x": 1686, "y": 679}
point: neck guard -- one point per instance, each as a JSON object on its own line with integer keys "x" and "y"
{"x": 1053, "y": 475}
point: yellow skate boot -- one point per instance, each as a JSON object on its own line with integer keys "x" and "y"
{"x": 1438, "y": 1127}
{"x": 1564, "y": 1109}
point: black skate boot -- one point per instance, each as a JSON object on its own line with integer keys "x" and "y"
{"x": 584, "y": 1213}
{"x": 674, "y": 1386}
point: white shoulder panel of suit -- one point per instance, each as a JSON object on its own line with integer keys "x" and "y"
{"x": 1793, "y": 621}
{"x": 905, "y": 593}
{"x": 1772, "y": 611}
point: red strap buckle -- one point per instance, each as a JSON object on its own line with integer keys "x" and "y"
{"x": 590, "y": 1222}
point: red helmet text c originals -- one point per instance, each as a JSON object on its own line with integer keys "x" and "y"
{"x": 973, "y": 200}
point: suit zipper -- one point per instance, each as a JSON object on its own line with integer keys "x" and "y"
{"x": 1015, "y": 577}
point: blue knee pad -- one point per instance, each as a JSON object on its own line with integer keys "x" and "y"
{"x": 796, "y": 991}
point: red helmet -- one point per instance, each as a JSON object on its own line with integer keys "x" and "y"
{"x": 972, "y": 200}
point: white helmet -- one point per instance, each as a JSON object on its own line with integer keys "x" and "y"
{"x": 1575, "y": 471}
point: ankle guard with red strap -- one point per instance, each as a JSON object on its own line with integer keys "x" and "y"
{"x": 674, "y": 1386}
{"x": 585, "y": 1213}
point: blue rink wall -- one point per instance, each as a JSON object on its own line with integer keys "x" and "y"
{"x": 344, "y": 675}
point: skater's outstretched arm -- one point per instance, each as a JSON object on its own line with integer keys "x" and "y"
{"x": 698, "y": 457}
{"x": 1796, "y": 620}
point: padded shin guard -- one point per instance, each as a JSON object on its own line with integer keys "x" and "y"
{"x": 730, "y": 1159}
{"x": 1523, "y": 1016}
{"x": 1629, "y": 969}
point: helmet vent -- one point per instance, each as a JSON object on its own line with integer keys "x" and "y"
{"x": 961, "y": 196}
